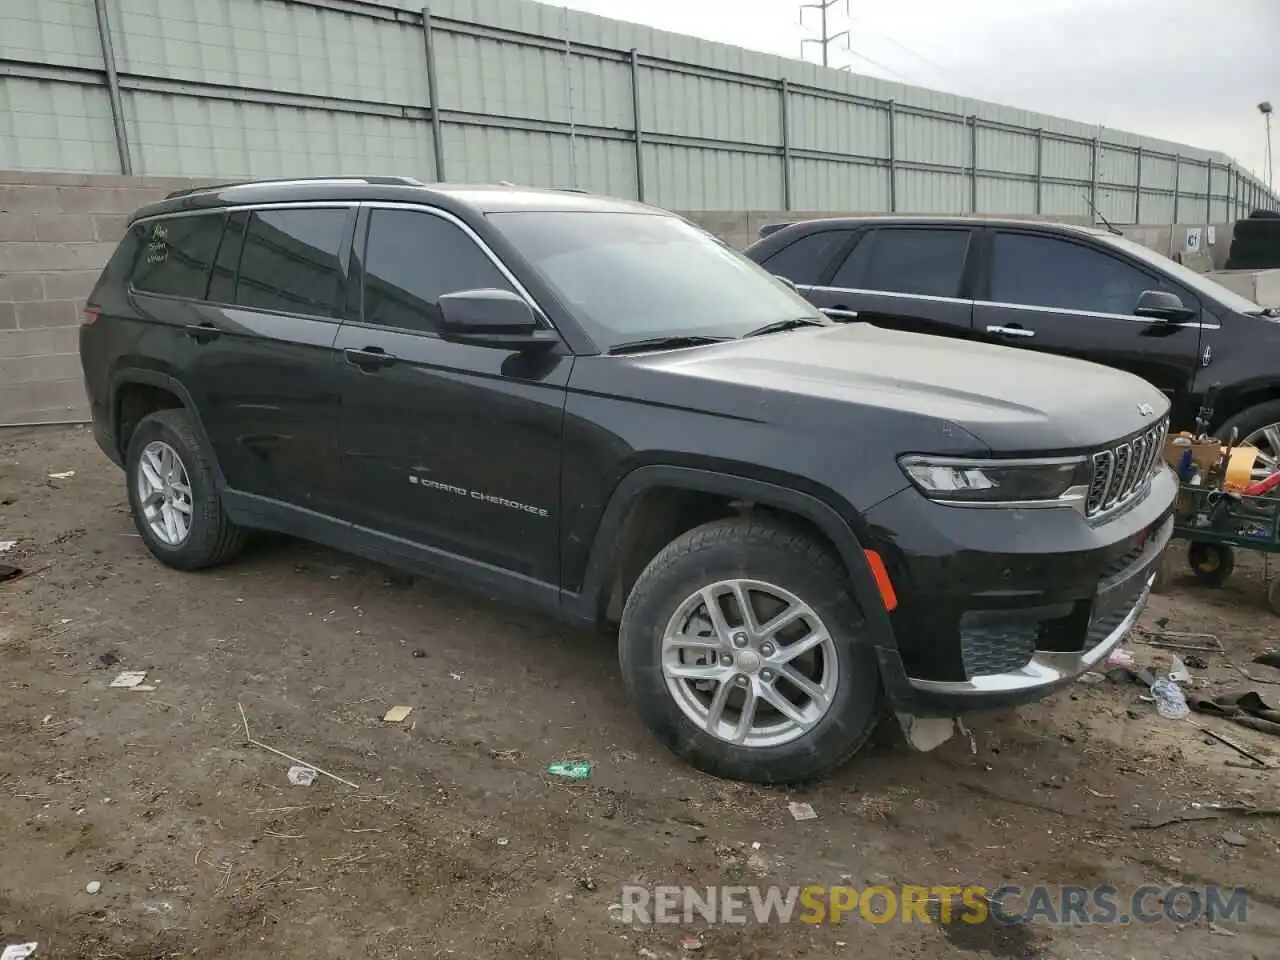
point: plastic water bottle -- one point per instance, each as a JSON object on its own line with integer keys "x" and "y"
{"x": 1170, "y": 701}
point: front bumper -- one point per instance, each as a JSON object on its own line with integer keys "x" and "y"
{"x": 1000, "y": 607}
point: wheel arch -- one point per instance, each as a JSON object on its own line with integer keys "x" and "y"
{"x": 1237, "y": 403}
{"x": 137, "y": 391}
{"x": 632, "y": 530}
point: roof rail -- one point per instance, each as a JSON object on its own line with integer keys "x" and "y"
{"x": 278, "y": 181}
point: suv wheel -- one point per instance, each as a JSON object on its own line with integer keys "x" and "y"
{"x": 1260, "y": 427}
{"x": 174, "y": 500}
{"x": 743, "y": 651}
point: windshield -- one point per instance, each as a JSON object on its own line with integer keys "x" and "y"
{"x": 1185, "y": 275}
{"x": 635, "y": 276}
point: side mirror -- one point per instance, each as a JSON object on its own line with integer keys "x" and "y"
{"x": 789, "y": 282}
{"x": 491, "y": 318}
{"x": 1162, "y": 305}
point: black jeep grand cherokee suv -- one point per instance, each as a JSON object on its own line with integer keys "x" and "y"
{"x": 594, "y": 407}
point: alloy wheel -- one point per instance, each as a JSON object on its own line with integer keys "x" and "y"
{"x": 750, "y": 663}
{"x": 164, "y": 493}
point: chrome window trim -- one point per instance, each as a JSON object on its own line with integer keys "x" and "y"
{"x": 1034, "y": 308}
{"x": 885, "y": 293}
{"x": 1129, "y": 318}
{"x": 476, "y": 239}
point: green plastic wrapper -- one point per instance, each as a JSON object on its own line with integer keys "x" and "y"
{"x": 573, "y": 770}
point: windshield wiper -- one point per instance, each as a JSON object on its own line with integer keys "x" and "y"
{"x": 662, "y": 343}
{"x": 779, "y": 325}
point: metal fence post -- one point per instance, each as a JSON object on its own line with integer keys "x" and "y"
{"x": 113, "y": 87}
{"x": 785, "y": 89}
{"x": 973, "y": 164}
{"x": 1208, "y": 190}
{"x": 639, "y": 134}
{"x": 1039, "y": 172}
{"x": 1137, "y": 192}
{"x": 433, "y": 94}
{"x": 1177, "y": 184}
{"x": 893, "y": 157}
{"x": 1094, "y": 162}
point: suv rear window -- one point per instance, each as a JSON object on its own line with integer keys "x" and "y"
{"x": 175, "y": 254}
{"x": 907, "y": 260}
{"x": 290, "y": 262}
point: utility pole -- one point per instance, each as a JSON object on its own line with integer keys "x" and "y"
{"x": 1265, "y": 109}
{"x": 825, "y": 38}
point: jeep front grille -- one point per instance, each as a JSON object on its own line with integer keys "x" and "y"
{"x": 1121, "y": 470}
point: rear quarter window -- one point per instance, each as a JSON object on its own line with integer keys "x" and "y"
{"x": 175, "y": 253}
{"x": 805, "y": 259}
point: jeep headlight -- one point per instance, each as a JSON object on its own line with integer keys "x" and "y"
{"x": 1056, "y": 481}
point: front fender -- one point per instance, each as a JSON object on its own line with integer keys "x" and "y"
{"x": 584, "y": 605}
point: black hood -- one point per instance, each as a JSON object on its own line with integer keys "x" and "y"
{"x": 1012, "y": 400}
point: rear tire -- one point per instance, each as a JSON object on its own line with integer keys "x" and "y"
{"x": 173, "y": 497}
{"x": 824, "y": 718}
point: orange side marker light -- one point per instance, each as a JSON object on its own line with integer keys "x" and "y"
{"x": 878, "y": 570}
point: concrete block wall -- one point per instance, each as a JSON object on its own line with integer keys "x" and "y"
{"x": 57, "y": 231}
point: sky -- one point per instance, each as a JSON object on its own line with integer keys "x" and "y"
{"x": 1190, "y": 71}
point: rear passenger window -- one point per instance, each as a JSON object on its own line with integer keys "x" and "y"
{"x": 175, "y": 255}
{"x": 222, "y": 285}
{"x": 918, "y": 261}
{"x": 804, "y": 260}
{"x": 290, "y": 262}
{"x": 411, "y": 259}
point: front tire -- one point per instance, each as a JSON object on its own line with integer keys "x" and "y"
{"x": 782, "y": 694}
{"x": 173, "y": 497}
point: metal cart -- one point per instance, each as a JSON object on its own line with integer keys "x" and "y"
{"x": 1216, "y": 523}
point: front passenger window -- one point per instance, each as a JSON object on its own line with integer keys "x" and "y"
{"x": 411, "y": 259}
{"x": 1042, "y": 271}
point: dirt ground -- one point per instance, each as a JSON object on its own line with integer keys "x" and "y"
{"x": 457, "y": 842}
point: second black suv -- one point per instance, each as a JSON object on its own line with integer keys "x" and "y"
{"x": 593, "y": 407}
{"x": 1050, "y": 287}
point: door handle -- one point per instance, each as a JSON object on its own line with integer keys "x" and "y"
{"x": 203, "y": 332}
{"x": 369, "y": 359}
{"x": 1012, "y": 331}
{"x": 839, "y": 313}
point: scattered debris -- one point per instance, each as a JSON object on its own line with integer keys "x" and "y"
{"x": 7, "y": 545}
{"x": 1195, "y": 663}
{"x": 396, "y": 714}
{"x": 648, "y": 954}
{"x": 281, "y": 753}
{"x": 93, "y": 886}
{"x": 973, "y": 741}
{"x": 1199, "y": 642}
{"x": 1101, "y": 796}
{"x": 302, "y": 776}
{"x": 802, "y": 811}
{"x": 506, "y": 754}
{"x": 129, "y": 679}
{"x": 1221, "y": 931}
{"x": 1269, "y": 659}
{"x": 1179, "y": 673}
{"x": 1227, "y": 741}
{"x": 1120, "y": 657}
{"x": 1212, "y": 811}
{"x": 9, "y": 573}
{"x": 1235, "y": 839}
{"x": 503, "y": 841}
{"x": 18, "y": 951}
{"x": 1091, "y": 678}
{"x": 419, "y": 653}
{"x": 109, "y": 659}
{"x": 570, "y": 769}
{"x": 691, "y": 944}
{"x": 1171, "y": 703}
{"x": 64, "y": 475}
